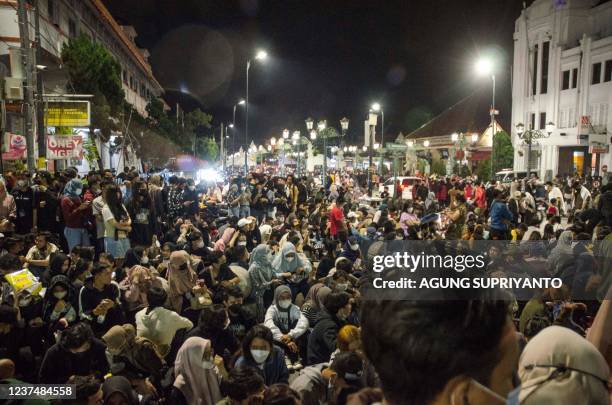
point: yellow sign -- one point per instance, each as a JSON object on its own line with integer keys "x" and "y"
{"x": 67, "y": 114}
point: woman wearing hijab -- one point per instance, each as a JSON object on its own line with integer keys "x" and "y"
{"x": 293, "y": 268}
{"x": 562, "y": 254}
{"x": 75, "y": 213}
{"x": 118, "y": 390}
{"x": 181, "y": 280}
{"x": 288, "y": 324}
{"x": 133, "y": 357}
{"x": 558, "y": 366}
{"x": 134, "y": 287}
{"x": 314, "y": 302}
{"x": 262, "y": 276}
{"x": 196, "y": 380}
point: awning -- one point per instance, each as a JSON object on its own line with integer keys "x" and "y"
{"x": 480, "y": 155}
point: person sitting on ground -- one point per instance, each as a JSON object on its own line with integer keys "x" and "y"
{"x": 159, "y": 324}
{"x": 77, "y": 352}
{"x": 287, "y": 324}
{"x": 244, "y": 386}
{"x": 259, "y": 351}
{"x": 322, "y": 340}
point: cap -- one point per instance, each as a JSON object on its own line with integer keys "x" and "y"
{"x": 243, "y": 222}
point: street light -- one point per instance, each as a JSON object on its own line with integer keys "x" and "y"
{"x": 286, "y": 133}
{"x": 530, "y": 136}
{"x": 426, "y": 144}
{"x": 344, "y": 123}
{"x": 313, "y": 134}
{"x": 485, "y": 67}
{"x": 372, "y": 121}
{"x": 233, "y": 125}
{"x": 260, "y": 56}
{"x": 376, "y": 107}
{"x": 474, "y": 137}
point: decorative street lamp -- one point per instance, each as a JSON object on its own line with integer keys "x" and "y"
{"x": 376, "y": 107}
{"x": 530, "y": 137}
{"x": 426, "y": 144}
{"x": 344, "y": 123}
{"x": 372, "y": 120}
{"x": 260, "y": 56}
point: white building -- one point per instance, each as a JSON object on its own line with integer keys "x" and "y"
{"x": 61, "y": 20}
{"x": 562, "y": 74}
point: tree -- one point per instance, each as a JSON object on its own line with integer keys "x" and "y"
{"x": 197, "y": 123}
{"x": 438, "y": 167}
{"x": 207, "y": 149}
{"x": 93, "y": 70}
{"x": 503, "y": 151}
{"x": 483, "y": 170}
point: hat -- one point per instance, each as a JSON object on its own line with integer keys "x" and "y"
{"x": 243, "y": 222}
{"x": 351, "y": 215}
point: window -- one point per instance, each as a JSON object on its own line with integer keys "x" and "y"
{"x": 124, "y": 76}
{"x": 571, "y": 118}
{"x": 534, "y": 72}
{"x": 545, "y": 58}
{"x": 51, "y": 9}
{"x": 565, "y": 81}
{"x": 72, "y": 30}
{"x": 608, "y": 71}
{"x": 532, "y": 121}
{"x": 574, "y": 78}
{"x": 542, "y": 120}
{"x": 534, "y": 160}
{"x": 596, "y": 73}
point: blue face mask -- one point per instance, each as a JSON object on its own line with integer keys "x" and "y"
{"x": 511, "y": 399}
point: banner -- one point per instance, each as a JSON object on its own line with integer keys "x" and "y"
{"x": 67, "y": 114}
{"x": 16, "y": 148}
{"x": 64, "y": 147}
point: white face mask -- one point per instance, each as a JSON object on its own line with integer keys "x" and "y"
{"x": 208, "y": 365}
{"x": 290, "y": 258}
{"x": 259, "y": 356}
{"x": 144, "y": 260}
{"x": 242, "y": 243}
{"x": 284, "y": 304}
{"x": 60, "y": 294}
{"x": 342, "y": 286}
{"x": 200, "y": 244}
{"x": 355, "y": 247}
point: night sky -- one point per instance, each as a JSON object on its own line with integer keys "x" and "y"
{"x": 328, "y": 59}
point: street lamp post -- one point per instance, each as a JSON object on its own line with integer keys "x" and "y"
{"x": 484, "y": 66}
{"x": 373, "y": 117}
{"x": 528, "y": 137}
{"x": 261, "y": 55}
{"x": 376, "y": 107}
{"x": 234, "y": 130}
{"x": 321, "y": 127}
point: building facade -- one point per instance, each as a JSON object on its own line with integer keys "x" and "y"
{"x": 562, "y": 74}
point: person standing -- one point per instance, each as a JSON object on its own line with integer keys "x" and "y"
{"x": 75, "y": 212}
{"x": 336, "y": 219}
{"x": 8, "y": 209}
{"x": 24, "y": 200}
{"x": 501, "y": 217}
{"x": 117, "y": 225}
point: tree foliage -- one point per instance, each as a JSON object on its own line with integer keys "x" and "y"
{"x": 483, "y": 170}
{"x": 416, "y": 117}
{"x": 503, "y": 151}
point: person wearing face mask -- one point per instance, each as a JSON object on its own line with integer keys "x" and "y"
{"x": 559, "y": 366}
{"x": 159, "y": 324}
{"x": 288, "y": 324}
{"x": 77, "y": 352}
{"x": 197, "y": 377}
{"x": 24, "y": 200}
{"x": 344, "y": 376}
{"x": 133, "y": 357}
{"x": 140, "y": 209}
{"x": 217, "y": 273}
{"x": 197, "y": 245}
{"x": 259, "y": 352}
{"x": 293, "y": 268}
{"x": 351, "y": 250}
{"x": 322, "y": 340}
{"x": 59, "y": 305}
{"x": 74, "y": 214}
{"x": 45, "y": 204}
{"x": 190, "y": 199}
{"x": 245, "y": 200}
{"x": 262, "y": 276}
{"x": 31, "y": 311}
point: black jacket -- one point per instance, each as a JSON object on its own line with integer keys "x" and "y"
{"x": 60, "y": 363}
{"x": 322, "y": 340}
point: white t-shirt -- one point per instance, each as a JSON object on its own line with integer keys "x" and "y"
{"x": 97, "y": 206}
{"x": 109, "y": 230}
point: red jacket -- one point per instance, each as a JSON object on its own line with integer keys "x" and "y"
{"x": 73, "y": 218}
{"x": 480, "y": 197}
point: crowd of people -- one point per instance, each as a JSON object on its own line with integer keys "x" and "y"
{"x": 147, "y": 289}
